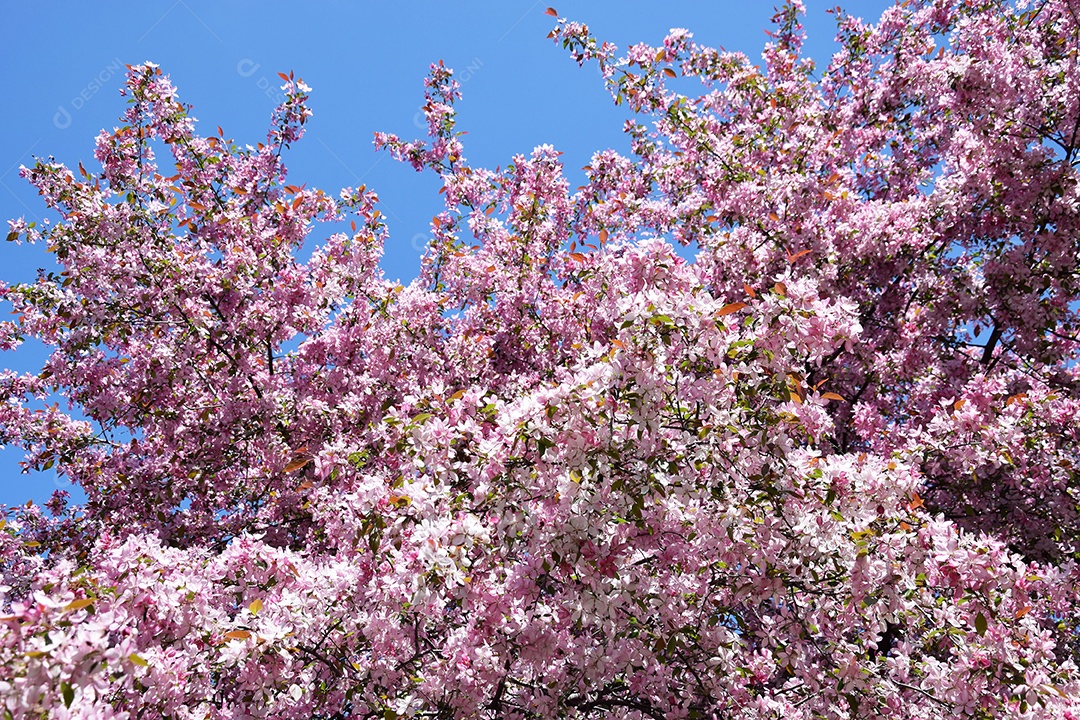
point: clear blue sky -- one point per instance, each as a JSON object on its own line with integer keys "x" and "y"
{"x": 63, "y": 65}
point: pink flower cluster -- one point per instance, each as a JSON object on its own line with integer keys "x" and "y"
{"x": 828, "y": 469}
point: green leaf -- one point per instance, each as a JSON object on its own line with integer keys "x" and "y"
{"x": 80, "y": 604}
{"x": 543, "y": 444}
{"x": 68, "y": 693}
{"x": 137, "y": 659}
{"x": 980, "y": 624}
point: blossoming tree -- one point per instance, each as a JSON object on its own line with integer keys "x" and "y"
{"x": 828, "y": 469}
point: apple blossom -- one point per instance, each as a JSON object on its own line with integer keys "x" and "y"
{"x": 827, "y": 469}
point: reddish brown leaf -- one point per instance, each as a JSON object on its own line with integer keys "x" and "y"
{"x": 730, "y": 308}
{"x": 296, "y": 464}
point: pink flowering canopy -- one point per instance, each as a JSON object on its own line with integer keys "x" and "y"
{"x": 828, "y": 469}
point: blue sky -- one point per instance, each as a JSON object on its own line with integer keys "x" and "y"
{"x": 63, "y": 65}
